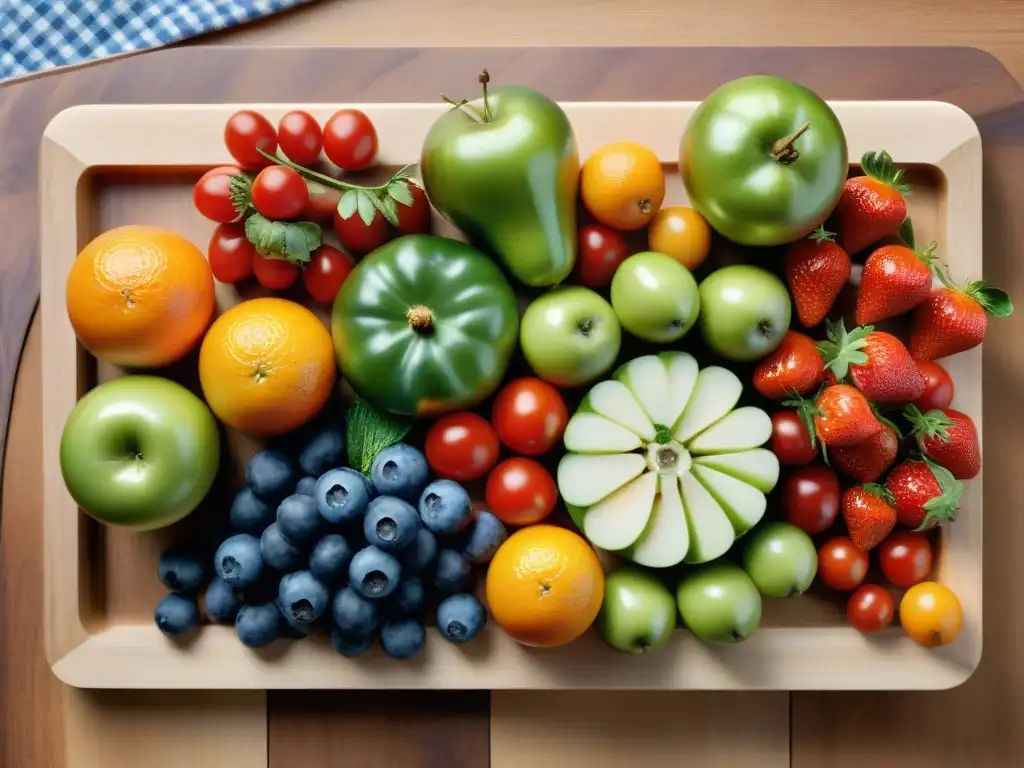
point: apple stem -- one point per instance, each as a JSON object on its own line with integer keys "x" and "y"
{"x": 466, "y": 107}
{"x": 420, "y": 319}
{"x": 783, "y": 149}
{"x": 484, "y": 78}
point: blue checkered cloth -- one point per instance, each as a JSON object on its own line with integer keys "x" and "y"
{"x": 42, "y": 34}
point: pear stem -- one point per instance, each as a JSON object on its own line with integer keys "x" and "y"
{"x": 783, "y": 149}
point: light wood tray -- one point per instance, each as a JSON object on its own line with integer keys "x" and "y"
{"x": 103, "y": 166}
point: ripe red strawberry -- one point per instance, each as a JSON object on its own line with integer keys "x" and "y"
{"x": 895, "y": 280}
{"x": 816, "y": 270}
{"x": 947, "y": 437}
{"x": 869, "y": 515}
{"x": 839, "y": 416}
{"x": 868, "y": 460}
{"x": 924, "y": 493}
{"x": 877, "y": 363}
{"x": 795, "y": 368}
{"x": 954, "y": 319}
{"x": 871, "y": 206}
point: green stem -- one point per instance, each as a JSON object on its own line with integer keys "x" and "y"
{"x": 466, "y": 107}
{"x": 485, "y": 78}
{"x": 330, "y": 181}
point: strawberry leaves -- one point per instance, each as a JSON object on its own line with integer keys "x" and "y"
{"x": 994, "y": 301}
{"x": 876, "y": 489}
{"x": 822, "y": 235}
{"x": 932, "y": 424}
{"x": 879, "y": 165}
{"x": 945, "y": 505}
{"x": 842, "y": 349}
{"x": 292, "y": 241}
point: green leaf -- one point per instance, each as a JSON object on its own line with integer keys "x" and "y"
{"x": 398, "y": 189}
{"x": 906, "y": 233}
{"x": 806, "y": 410}
{"x": 290, "y": 241}
{"x": 994, "y": 300}
{"x": 945, "y": 506}
{"x": 879, "y": 165}
{"x": 367, "y": 210}
{"x": 935, "y": 423}
{"x": 386, "y": 205}
{"x": 312, "y": 233}
{"x": 240, "y": 190}
{"x": 295, "y": 245}
{"x": 662, "y": 434}
{"x": 880, "y": 491}
{"x": 841, "y": 349}
{"x": 370, "y": 431}
{"x": 348, "y": 203}
{"x": 822, "y": 235}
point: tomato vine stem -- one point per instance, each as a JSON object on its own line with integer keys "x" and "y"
{"x": 330, "y": 181}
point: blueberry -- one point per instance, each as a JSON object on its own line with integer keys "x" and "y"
{"x": 181, "y": 571}
{"x": 303, "y": 597}
{"x": 445, "y": 507}
{"x": 271, "y": 475}
{"x": 249, "y": 513}
{"x": 350, "y": 645}
{"x": 176, "y": 614}
{"x": 452, "y": 572}
{"x": 306, "y": 486}
{"x": 353, "y": 614}
{"x": 222, "y": 603}
{"x": 390, "y": 523}
{"x": 258, "y": 625}
{"x": 402, "y": 638}
{"x": 342, "y": 495}
{"x": 460, "y": 618}
{"x": 278, "y": 552}
{"x": 238, "y": 560}
{"x": 421, "y": 553}
{"x": 400, "y": 470}
{"x": 325, "y": 449}
{"x": 486, "y": 534}
{"x": 408, "y": 598}
{"x": 299, "y": 520}
{"x": 330, "y": 559}
{"x": 374, "y": 573}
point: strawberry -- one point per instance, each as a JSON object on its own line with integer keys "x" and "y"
{"x": 816, "y": 270}
{"x": 868, "y": 460}
{"x": 877, "y": 363}
{"x": 840, "y": 416}
{"x": 895, "y": 279}
{"x": 947, "y": 437}
{"x": 795, "y": 368}
{"x": 954, "y": 318}
{"x": 871, "y": 206}
{"x": 924, "y": 494}
{"x": 869, "y": 514}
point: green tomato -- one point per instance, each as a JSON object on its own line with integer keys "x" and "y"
{"x": 425, "y": 325}
{"x": 764, "y": 160}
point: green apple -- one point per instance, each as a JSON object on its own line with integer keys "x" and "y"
{"x": 638, "y": 613}
{"x": 745, "y": 312}
{"x": 781, "y": 560}
{"x": 655, "y": 297}
{"x": 720, "y": 603}
{"x": 139, "y": 452}
{"x": 570, "y": 336}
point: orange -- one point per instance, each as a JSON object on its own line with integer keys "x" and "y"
{"x": 623, "y": 185}
{"x": 140, "y": 296}
{"x": 544, "y": 586}
{"x": 931, "y": 614}
{"x": 267, "y": 366}
{"x": 681, "y": 233}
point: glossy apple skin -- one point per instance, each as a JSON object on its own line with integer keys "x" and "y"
{"x": 655, "y": 297}
{"x": 140, "y": 452}
{"x": 570, "y": 336}
{"x": 781, "y": 559}
{"x": 744, "y": 312}
{"x": 638, "y": 614}
{"x": 719, "y": 603}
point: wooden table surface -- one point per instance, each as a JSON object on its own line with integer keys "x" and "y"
{"x": 42, "y": 724}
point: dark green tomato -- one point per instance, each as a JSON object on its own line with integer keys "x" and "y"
{"x": 425, "y": 325}
{"x": 505, "y": 170}
{"x": 742, "y": 172}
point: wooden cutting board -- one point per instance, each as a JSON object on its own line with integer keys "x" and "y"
{"x": 43, "y": 725}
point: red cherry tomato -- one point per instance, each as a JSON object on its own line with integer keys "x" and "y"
{"x": 938, "y": 386}
{"x": 278, "y": 192}
{"x": 350, "y": 140}
{"x": 323, "y": 202}
{"x": 357, "y": 237}
{"x": 212, "y": 194}
{"x": 529, "y": 416}
{"x": 521, "y": 492}
{"x": 906, "y": 558}
{"x": 247, "y": 131}
{"x": 414, "y": 219}
{"x": 601, "y": 251}
{"x": 791, "y": 442}
{"x": 274, "y": 274}
{"x": 810, "y": 498}
{"x": 870, "y": 609}
{"x": 326, "y": 271}
{"x": 230, "y": 253}
{"x": 841, "y": 566}
{"x": 300, "y": 137}
{"x": 461, "y": 446}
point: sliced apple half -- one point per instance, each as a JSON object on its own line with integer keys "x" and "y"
{"x": 743, "y": 504}
{"x": 758, "y": 467}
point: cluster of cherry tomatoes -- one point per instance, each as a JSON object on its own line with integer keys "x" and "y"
{"x": 528, "y": 417}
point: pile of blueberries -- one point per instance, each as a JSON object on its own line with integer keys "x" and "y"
{"x": 319, "y": 547}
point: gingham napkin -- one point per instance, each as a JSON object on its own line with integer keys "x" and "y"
{"x": 41, "y": 34}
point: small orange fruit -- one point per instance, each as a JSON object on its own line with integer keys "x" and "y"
{"x": 931, "y": 614}
{"x": 140, "y": 296}
{"x": 267, "y": 366}
{"x": 544, "y": 586}
{"x": 623, "y": 185}
{"x": 681, "y": 233}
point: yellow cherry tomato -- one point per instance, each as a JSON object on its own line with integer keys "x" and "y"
{"x": 931, "y": 614}
{"x": 681, "y": 233}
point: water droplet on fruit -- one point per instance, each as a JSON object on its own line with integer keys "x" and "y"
{"x": 390, "y": 471}
{"x": 387, "y": 529}
{"x": 375, "y": 582}
{"x": 337, "y": 496}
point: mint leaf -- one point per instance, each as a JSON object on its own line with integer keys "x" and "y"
{"x": 290, "y": 241}
{"x": 367, "y": 210}
{"x": 348, "y": 203}
{"x": 369, "y": 432}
